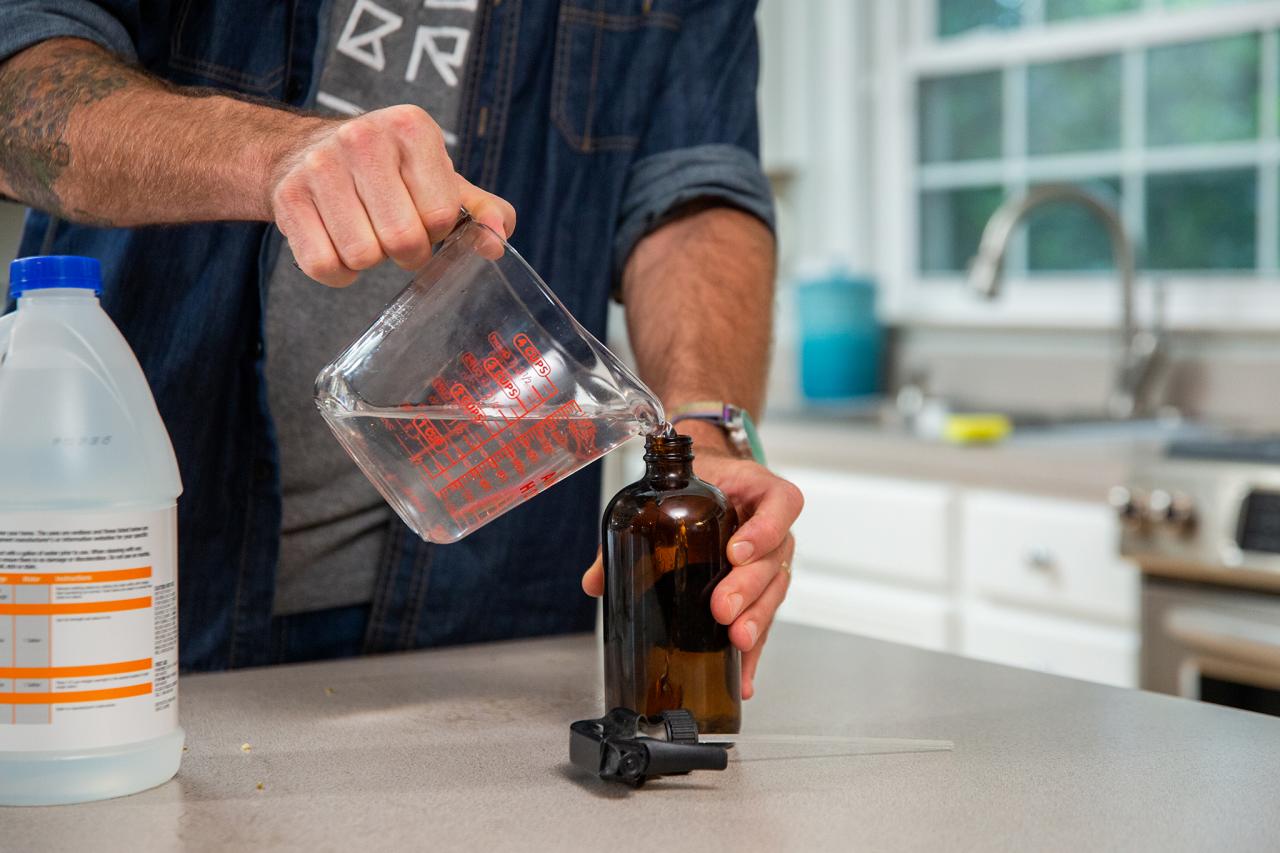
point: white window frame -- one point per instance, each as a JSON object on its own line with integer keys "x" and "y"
{"x": 906, "y": 50}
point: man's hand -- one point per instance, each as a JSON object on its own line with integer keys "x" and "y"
{"x": 356, "y": 192}
{"x": 760, "y": 551}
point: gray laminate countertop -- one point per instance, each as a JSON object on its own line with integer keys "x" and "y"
{"x": 467, "y": 748}
{"x": 1080, "y": 466}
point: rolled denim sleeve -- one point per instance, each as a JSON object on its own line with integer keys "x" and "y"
{"x": 28, "y": 22}
{"x": 703, "y": 139}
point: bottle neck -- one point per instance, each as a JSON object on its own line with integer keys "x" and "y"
{"x": 668, "y": 458}
{"x": 56, "y": 296}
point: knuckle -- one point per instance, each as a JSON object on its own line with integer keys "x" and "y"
{"x": 408, "y": 120}
{"x": 321, "y": 268}
{"x": 318, "y": 162}
{"x": 794, "y": 496}
{"x": 770, "y": 530}
{"x": 360, "y": 255}
{"x": 288, "y": 194}
{"x": 440, "y": 218}
{"x": 358, "y": 133}
{"x": 404, "y": 240}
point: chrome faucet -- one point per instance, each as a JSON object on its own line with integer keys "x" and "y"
{"x": 1142, "y": 351}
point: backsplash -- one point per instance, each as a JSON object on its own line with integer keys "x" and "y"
{"x": 1231, "y": 378}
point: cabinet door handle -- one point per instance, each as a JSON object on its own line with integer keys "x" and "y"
{"x": 1041, "y": 559}
{"x": 1234, "y": 638}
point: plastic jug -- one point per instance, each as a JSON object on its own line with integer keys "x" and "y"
{"x": 88, "y": 551}
{"x": 476, "y": 389}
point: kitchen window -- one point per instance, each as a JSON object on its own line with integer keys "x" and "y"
{"x": 1166, "y": 108}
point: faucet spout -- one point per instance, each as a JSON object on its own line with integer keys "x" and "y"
{"x": 1140, "y": 351}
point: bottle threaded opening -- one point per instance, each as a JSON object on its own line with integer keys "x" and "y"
{"x": 668, "y": 446}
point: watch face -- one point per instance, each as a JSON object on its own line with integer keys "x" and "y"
{"x": 742, "y": 432}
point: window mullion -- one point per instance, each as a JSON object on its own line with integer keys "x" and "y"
{"x": 1015, "y": 156}
{"x": 1133, "y": 108}
{"x": 1268, "y": 243}
{"x": 1033, "y": 13}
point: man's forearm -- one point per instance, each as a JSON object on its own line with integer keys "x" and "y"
{"x": 699, "y": 296}
{"x": 91, "y": 138}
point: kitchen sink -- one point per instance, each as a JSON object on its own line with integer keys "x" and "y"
{"x": 1071, "y": 427}
{"x": 1100, "y": 429}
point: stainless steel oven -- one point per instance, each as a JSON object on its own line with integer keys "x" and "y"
{"x": 1212, "y": 643}
{"x": 1203, "y": 524}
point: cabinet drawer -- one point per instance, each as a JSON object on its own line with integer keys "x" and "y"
{"x": 1074, "y": 648}
{"x": 895, "y": 529}
{"x": 1062, "y": 555}
{"x": 914, "y": 617}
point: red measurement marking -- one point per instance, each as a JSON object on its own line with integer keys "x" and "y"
{"x": 530, "y": 352}
{"x": 480, "y": 489}
{"x": 514, "y": 459}
{"x": 436, "y": 446}
{"x": 415, "y": 439}
{"x": 500, "y": 375}
{"x": 499, "y": 348}
{"x": 428, "y": 431}
{"x": 464, "y": 399}
{"x": 472, "y": 364}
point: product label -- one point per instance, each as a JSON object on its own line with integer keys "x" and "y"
{"x": 88, "y": 628}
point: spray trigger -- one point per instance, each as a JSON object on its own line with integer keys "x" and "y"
{"x": 624, "y": 746}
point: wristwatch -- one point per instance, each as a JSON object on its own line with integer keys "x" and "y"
{"x": 734, "y": 420}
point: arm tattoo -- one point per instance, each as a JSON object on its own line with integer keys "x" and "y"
{"x": 36, "y": 103}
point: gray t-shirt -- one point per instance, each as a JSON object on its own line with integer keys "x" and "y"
{"x": 335, "y": 524}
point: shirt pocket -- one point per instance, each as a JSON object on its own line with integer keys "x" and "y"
{"x": 206, "y": 50}
{"x": 610, "y": 60}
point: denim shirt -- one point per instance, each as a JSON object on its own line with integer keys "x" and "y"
{"x": 595, "y": 118}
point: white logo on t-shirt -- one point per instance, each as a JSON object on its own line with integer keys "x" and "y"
{"x": 428, "y": 39}
{"x": 366, "y": 47}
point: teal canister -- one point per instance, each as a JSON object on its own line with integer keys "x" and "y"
{"x": 841, "y": 341}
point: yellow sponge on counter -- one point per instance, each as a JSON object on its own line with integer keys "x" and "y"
{"x": 976, "y": 428}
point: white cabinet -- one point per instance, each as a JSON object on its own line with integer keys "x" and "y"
{"x": 877, "y": 610}
{"x": 1071, "y": 647}
{"x": 874, "y": 526}
{"x": 1017, "y": 579}
{"x": 1058, "y": 555}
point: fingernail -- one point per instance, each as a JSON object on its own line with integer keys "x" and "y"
{"x": 735, "y": 606}
{"x": 740, "y": 552}
{"x": 753, "y": 632}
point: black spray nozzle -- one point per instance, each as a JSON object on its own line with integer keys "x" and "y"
{"x": 616, "y": 748}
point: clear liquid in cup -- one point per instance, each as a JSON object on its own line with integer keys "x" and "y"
{"x": 447, "y": 470}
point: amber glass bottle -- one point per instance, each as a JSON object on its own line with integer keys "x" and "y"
{"x": 664, "y": 552}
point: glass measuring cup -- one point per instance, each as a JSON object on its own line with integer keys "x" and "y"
{"x": 476, "y": 389}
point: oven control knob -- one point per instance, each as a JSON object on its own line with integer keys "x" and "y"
{"x": 1129, "y": 504}
{"x": 1172, "y": 510}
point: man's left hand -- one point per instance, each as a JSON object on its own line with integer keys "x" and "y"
{"x": 760, "y": 551}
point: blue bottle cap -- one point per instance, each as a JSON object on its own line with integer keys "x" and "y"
{"x": 43, "y": 271}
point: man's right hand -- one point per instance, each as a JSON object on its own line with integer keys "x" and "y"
{"x": 355, "y": 192}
